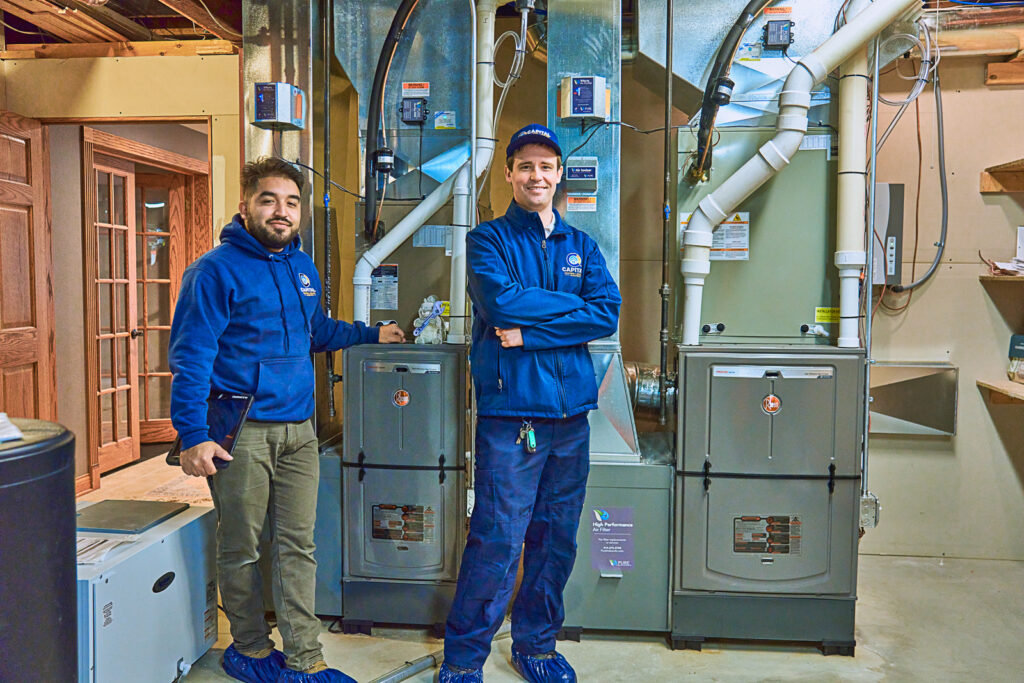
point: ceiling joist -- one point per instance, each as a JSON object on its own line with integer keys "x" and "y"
{"x": 197, "y": 13}
{"x": 71, "y": 25}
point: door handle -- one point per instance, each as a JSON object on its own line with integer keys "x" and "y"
{"x": 135, "y": 333}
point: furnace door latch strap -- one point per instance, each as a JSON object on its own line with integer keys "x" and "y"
{"x": 705, "y": 473}
{"x": 440, "y": 468}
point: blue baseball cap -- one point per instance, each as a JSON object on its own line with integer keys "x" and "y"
{"x": 533, "y": 134}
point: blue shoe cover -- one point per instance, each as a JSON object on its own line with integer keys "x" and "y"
{"x": 325, "y": 676}
{"x": 456, "y": 675}
{"x": 543, "y": 669}
{"x": 252, "y": 669}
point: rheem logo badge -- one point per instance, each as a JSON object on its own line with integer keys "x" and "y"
{"x": 400, "y": 398}
{"x": 771, "y": 404}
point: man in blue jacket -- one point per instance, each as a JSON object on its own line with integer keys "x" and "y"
{"x": 540, "y": 291}
{"x": 246, "y": 319}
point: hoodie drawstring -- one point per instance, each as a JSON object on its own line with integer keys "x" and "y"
{"x": 280, "y": 297}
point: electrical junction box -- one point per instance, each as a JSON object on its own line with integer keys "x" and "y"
{"x": 279, "y": 106}
{"x": 778, "y": 35}
{"x": 414, "y": 110}
{"x": 584, "y": 97}
{"x": 887, "y": 247}
{"x": 581, "y": 175}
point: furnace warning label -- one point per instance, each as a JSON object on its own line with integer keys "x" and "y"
{"x": 731, "y": 240}
{"x": 774, "y": 534}
{"x": 408, "y": 523}
{"x": 611, "y": 538}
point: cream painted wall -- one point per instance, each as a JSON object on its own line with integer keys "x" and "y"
{"x": 141, "y": 87}
{"x": 961, "y": 496}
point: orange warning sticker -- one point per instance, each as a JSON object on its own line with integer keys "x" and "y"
{"x": 771, "y": 404}
{"x": 584, "y": 203}
{"x": 778, "y": 10}
{"x": 416, "y": 89}
{"x": 401, "y": 398}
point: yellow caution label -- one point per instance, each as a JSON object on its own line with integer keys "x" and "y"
{"x": 824, "y": 314}
{"x": 446, "y": 308}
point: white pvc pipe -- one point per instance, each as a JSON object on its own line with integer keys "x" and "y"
{"x": 850, "y": 255}
{"x": 774, "y": 155}
{"x": 485, "y": 140}
{"x": 412, "y": 222}
{"x": 482, "y": 153}
{"x": 462, "y": 220}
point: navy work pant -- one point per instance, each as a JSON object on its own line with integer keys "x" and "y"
{"x": 534, "y": 499}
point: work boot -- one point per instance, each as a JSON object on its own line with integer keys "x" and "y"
{"x": 549, "y": 667}
{"x": 260, "y": 667}
{"x": 449, "y": 673}
{"x": 318, "y": 673}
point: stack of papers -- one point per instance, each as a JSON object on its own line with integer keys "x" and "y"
{"x": 8, "y": 432}
{"x": 1015, "y": 266}
{"x": 92, "y": 550}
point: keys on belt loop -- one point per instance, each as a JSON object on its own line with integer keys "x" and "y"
{"x": 527, "y": 435}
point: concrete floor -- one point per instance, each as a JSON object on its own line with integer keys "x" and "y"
{"x": 918, "y": 619}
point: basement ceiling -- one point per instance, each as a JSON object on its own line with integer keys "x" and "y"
{"x": 67, "y": 28}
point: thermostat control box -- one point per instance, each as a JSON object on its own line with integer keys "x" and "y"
{"x": 279, "y": 106}
{"x": 584, "y": 97}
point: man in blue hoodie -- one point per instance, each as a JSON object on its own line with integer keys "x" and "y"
{"x": 540, "y": 291}
{"x": 246, "y": 320}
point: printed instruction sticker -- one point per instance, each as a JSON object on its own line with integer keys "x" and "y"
{"x": 826, "y": 314}
{"x": 823, "y": 141}
{"x": 384, "y": 287}
{"x": 778, "y": 10}
{"x": 433, "y": 236}
{"x": 611, "y": 538}
{"x": 416, "y": 89}
{"x": 771, "y": 534}
{"x": 444, "y": 120}
{"x": 406, "y": 523}
{"x": 586, "y": 203}
{"x": 731, "y": 240}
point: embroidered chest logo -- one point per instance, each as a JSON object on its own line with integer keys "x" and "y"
{"x": 575, "y": 265}
{"x": 306, "y": 289}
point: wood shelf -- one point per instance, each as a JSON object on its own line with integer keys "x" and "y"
{"x": 1001, "y": 278}
{"x": 1003, "y": 391}
{"x": 1008, "y": 177}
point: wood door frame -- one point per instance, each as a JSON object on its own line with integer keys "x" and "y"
{"x": 198, "y": 237}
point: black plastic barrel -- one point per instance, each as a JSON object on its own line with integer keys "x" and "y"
{"x": 38, "y": 603}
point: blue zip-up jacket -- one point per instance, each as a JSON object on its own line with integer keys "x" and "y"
{"x": 559, "y": 292}
{"x": 245, "y": 322}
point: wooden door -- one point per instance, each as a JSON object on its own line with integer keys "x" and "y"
{"x": 112, "y": 315}
{"x": 28, "y": 379}
{"x": 161, "y": 245}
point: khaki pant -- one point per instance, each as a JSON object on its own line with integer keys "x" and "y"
{"x": 273, "y": 477}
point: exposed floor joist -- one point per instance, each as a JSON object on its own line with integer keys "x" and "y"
{"x": 194, "y": 11}
{"x": 70, "y": 25}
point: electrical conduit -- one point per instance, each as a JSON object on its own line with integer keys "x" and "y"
{"x": 774, "y": 155}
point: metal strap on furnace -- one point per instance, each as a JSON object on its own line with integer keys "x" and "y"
{"x": 440, "y": 468}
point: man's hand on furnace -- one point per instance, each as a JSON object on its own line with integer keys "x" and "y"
{"x": 198, "y": 460}
{"x": 391, "y": 334}
{"x": 509, "y": 338}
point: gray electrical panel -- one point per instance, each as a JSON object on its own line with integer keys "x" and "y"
{"x": 768, "y": 494}
{"x": 403, "y": 484}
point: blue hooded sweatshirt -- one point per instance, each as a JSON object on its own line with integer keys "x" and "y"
{"x": 557, "y": 290}
{"x": 245, "y": 322}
